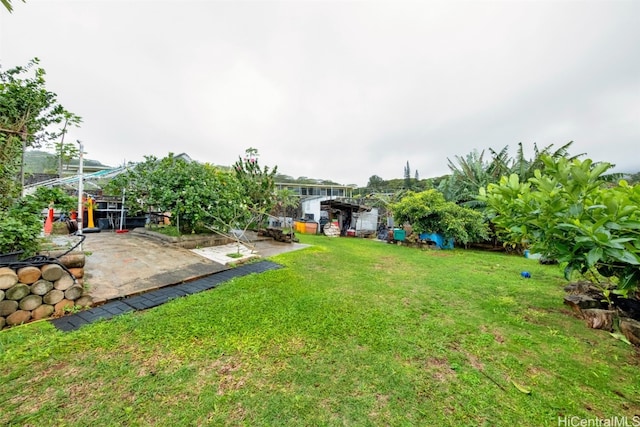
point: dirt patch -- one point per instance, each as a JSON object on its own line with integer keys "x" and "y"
{"x": 438, "y": 253}
{"x": 497, "y": 336}
{"x": 381, "y": 407}
{"x": 440, "y": 369}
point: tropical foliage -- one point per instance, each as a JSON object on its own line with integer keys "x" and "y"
{"x": 572, "y": 214}
{"x": 258, "y": 184}
{"x": 7, "y": 4}
{"x": 21, "y": 224}
{"x": 429, "y": 212}
{"x": 474, "y": 171}
{"x": 27, "y": 109}
{"x": 195, "y": 194}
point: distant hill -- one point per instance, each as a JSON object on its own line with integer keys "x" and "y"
{"x": 38, "y": 161}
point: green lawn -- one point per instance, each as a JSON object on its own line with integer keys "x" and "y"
{"x": 352, "y": 332}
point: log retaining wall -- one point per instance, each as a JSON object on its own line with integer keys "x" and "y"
{"x": 34, "y": 292}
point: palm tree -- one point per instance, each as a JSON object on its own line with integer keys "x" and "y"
{"x": 468, "y": 175}
{"x": 525, "y": 168}
{"x": 7, "y": 4}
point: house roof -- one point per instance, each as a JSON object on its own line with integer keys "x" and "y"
{"x": 344, "y": 205}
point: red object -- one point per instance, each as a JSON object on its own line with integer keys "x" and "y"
{"x": 48, "y": 224}
{"x": 122, "y": 231}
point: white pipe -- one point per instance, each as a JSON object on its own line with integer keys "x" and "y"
{"x": 80, "y": 218}
{"x": 122, "y": 210}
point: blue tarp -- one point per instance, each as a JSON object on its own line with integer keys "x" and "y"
{"x": 438, "y": 239}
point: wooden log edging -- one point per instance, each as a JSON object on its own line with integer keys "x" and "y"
{"x": 589, "y": 303}
{"x": 35, "y": 292}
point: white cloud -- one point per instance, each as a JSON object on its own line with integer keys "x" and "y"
{"x": 338, "y": 90}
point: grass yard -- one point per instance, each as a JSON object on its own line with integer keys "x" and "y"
{"x": 352, "y": 332}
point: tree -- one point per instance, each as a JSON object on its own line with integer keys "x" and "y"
{"x": 27, "y": 109}
{"x": 7, "y": 4}
{"x": 65, "y": 152}
{"x": 375, "y": 183}
{"x": 196, "y": 194}
{"x": 429, "y": 212}
{"x": 570, "y": 213}
{"x": 258, "y": 184}
{"x": 633, "y": 178}
{"x": 21, "y": 224}
{"x": 407, "y": 176}
{"x": 468, "y": 175}
{"x": 285, "y": 201}
{"x": 472, "y": 172}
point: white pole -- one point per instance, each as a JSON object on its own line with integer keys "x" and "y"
{"x": 122, "y": 210}
{"x": 80, "y": 190}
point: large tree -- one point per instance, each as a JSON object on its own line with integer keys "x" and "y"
{"x": 27, "y": 109}
{"x": 429, "y": 212}
{"x": 474, "y": 171}
{"x": 258, "y": 183}
{"x": 571, "y": 213}
{"x": 195, "y": 194}
{"x": 407, "y": 176}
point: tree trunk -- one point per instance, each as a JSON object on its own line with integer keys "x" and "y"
{"x": 29, "y": 275}
{"x": 63, "y": 283}
{"x": 580, "y": 302}
{"x": 8, "y": 307}
{"x": 73, "y": 293}
{"x": 53, "y": 297}
{"x": 42, "y": 312}
{"x": 51, "y": 272}
{"x": 60, "y": 308}
{"x": 73, "y": 260}
{"x": 84, "y": 301}
{"x": 599, "y": 319}
{"x": 41, "y": 287}
{"x": 8, "y": 278}
{"x": 17, "y": 292}
{"x": 30, "y": 302}
{"x": 18, "y": 317}
{"x": 631, "y": 329}
{"x": 78, "y": 272}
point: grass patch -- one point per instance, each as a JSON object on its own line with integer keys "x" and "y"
{"x": 235, "y": 255}
{"x": 351, "y": 332}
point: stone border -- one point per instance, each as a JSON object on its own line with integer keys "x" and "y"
{"x": 186, "y": 242}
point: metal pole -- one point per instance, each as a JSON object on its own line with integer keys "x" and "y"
{"x": 80, "y": 190}
{"x": 122, "y": 210}
{"x": 24, "y": 148}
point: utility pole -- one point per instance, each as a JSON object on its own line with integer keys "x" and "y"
{"x": 64, "y": 131}
{"x": 80, "y": 190}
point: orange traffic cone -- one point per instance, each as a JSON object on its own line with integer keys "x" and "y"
{"x": 48, "y": 224}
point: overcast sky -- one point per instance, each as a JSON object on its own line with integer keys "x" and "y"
{"x": 338, "y": 90}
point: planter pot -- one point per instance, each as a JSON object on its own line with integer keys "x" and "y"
{"x": 6, "y": 258}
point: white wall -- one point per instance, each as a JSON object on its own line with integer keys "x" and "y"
{"x": 312, "y": 206}
{"x": 367, "y": 221}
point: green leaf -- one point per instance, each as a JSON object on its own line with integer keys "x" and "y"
{"x": 594, "y": 255}
{"x": 521, "y": 388}
{"x": 627, "y": 257}
{"x": 619, "y": 336}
